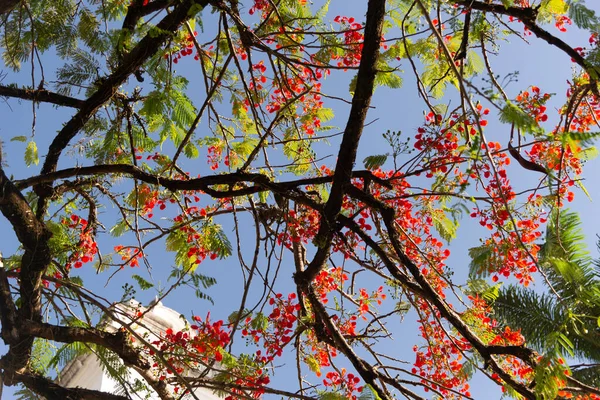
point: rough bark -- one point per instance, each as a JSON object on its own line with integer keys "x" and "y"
{"x": 7, "y": 6}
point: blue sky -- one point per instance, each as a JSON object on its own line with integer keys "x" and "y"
{"x": 538, "y": 64}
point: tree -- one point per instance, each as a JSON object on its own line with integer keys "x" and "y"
{"x": 330, "y": 255}
{"x": 567, "y": 319}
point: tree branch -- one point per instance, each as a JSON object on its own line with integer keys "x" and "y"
{"x": 429, "y": 293}
{"x": 137, "y": 10}
{"x": 528, "y": 16}
{"x": 34, "y": 236}
{"x": 42, "y": 95}
{"x": 8, "y": 311}
{"x": 366, "y": 371}
{"x": 117, "y": 342}
{"x": 365, "y": 83}
{"x": 262, "y": 182}
{"x": 7, "y": 6}
{"x": 131, "y": 62}
{"x": 53, "y": 391}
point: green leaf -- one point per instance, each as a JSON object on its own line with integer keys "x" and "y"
{"x": 582, "y": 16}
{"x": 554, "y": 6}
{"x": 263, "y": 196}
{"x": 389, "y": 79}
{"x": 31, "y": 154}
{"x": 474, "y": 63}
{"x": 481, "y": 261}
{"x": 259, "y": 322}
{"x": 402, "y": 307}
{"x": 588, "y": 154}
{"x": 513, "y": 114}
{"x": 217, "y": 241}
{"x": 352, "y": 86}
{"x": 313, "y": 364}
{"x": 374, "y": 162}
{"x": 445, "y": 226}
{"x": 191, "y": 150}
{"x": 19, "y": 139}
{"x": 491, "y": 294}
{"x": 368, "y": 393}
{"x": 322, "y": 12}
{"x": 67, "y": 353}
{"x": 236, "y": 316}
{"x": 120, "y": 228}
{"x": 331, "y": 396}
{"x": 325, "y": 114}
{"x": 144, "y": 284}
{"x": 41, "y": 354}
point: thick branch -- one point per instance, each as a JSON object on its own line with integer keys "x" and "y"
{"x": 117, "y": 342}
{"x": 528, "y": 16}
{"x": 131, "y": 62}
{"x": 429, "y": 293}
{"x": 7, "y": 6}
{"x": 365, "y": 82}
{"x": 53, "y": 391}
{"x": 30, "y": 231}
{"x": 34, "y": 237}
{"x": 137, "y": 10}
{"x": 8, "y": 311}
{"x": 42, "y": 95}
{"x": 261, "y": 182}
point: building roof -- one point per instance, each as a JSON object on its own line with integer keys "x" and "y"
{"x": 149, "y": 321}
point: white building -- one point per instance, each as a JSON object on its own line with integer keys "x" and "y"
{"x": 86, "y": 370}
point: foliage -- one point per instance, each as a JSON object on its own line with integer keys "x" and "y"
{"x": 561, "y": 323}
{"x": 198, "y": 161}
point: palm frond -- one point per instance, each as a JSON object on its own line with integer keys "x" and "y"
{"x": 538, "y": 316}
{"x": 566, "y": 261}
{"x": 589, "y": 375}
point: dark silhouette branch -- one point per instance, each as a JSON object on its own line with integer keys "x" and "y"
{"x": 53, "y": 391}
{"x": 528, "y": 16}
{"x": 42, "y": 95}
{"x": 118, "y": 342}
{"x": 365, "y": 83}
{"x": 130, "y": 63}
{"x": 137, "y": 10}
{"x": 7, "y": 6}
{"x": 261, "y": 182}
{"x": 34, "y": 236}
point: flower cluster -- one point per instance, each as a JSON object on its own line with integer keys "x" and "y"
{"x": 329, "y": 280}
{"x": 87, "y": 247}
{"x": 260, "y": 5}
{"x": 365, "y": 299}
{"x": 560, "y": 21}
{"x": 344, "y": 383}
{"x": 151, "y": 199}
{"x": 534, "y": 103}
{"x": 187, "y": 48}
{"x": 215, "y": 155}
{"x": 201, "y": 343}
{"x": 277, "y": 333}
{"x": 441, "y": 361}
{"x": 130, "y": 255}
{"x": 353, "y": 42}
{"x": 302, "y": 226}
